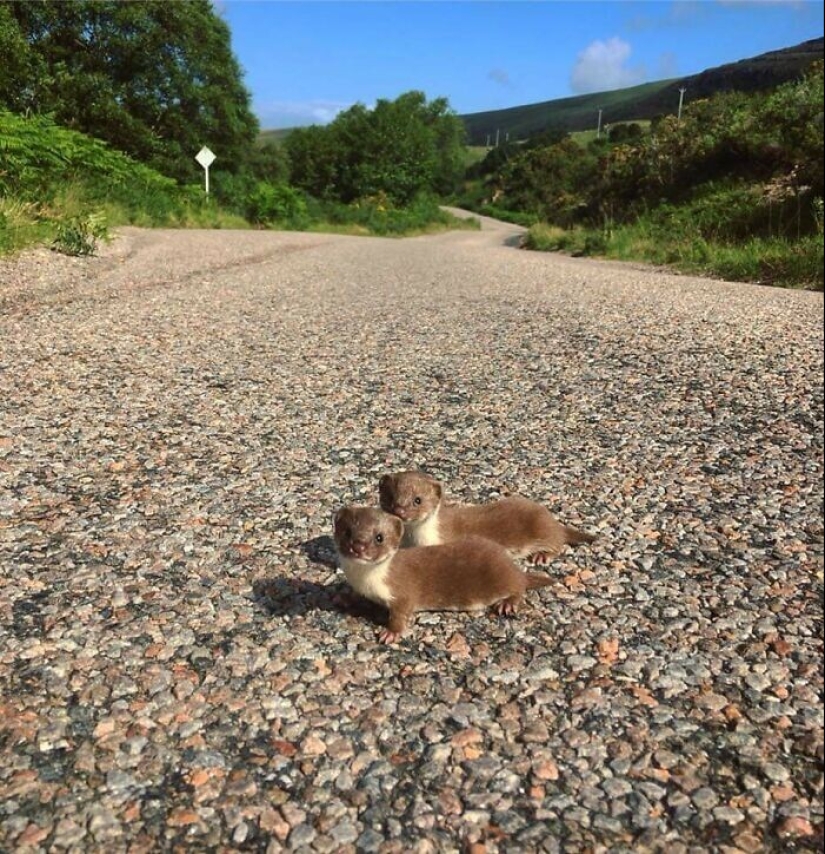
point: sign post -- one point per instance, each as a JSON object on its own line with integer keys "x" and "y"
{"x": 206, "y": 158}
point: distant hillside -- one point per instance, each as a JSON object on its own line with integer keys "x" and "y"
{"x": 643, "y": 102}
{"x": 277, "y": 135}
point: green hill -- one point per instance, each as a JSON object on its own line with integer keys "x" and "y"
{"x": 647, "y": 101}
{"x": 276, "y": 135}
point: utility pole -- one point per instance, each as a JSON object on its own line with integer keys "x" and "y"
{"x": 497, "y": 131}
{"x": 682, "y": 91}
{"x": 488, "y": 140}
{"x": 599, "y": 125}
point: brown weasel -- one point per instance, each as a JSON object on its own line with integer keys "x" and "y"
{"x": 467, "y": 575}
{"x": 523, "y": 527}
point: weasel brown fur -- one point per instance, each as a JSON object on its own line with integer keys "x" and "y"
{"x": 523, "y": 527}
{"x": 465, "y": 575}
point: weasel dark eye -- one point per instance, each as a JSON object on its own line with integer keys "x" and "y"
{"x": 379, "y": 538}
{"x": 417, "y": 500}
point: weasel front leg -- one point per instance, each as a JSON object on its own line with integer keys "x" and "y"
{"x": 396, "y": 624}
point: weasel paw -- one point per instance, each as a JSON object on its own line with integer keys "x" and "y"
{"x": 505, "y": 608}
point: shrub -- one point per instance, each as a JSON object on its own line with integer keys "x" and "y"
{"x": 79, "y": 235}
{"x": 271, "y": 204}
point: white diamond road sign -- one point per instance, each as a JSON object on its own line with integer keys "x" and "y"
{"x": 206, "y": 158}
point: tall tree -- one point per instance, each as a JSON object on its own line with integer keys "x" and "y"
{"x": 157, "y": 80}
{"x": 398, "y": 149}
{"x": 19, "y": 68}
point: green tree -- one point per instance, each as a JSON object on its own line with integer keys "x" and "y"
{"x": 398, "y": 153}
{"x": 156, "y": 80}
{"x": 270, "y": 162}
{"x": 20, "y": 70}
{"x": 450, "y": 137}
{"x": 550, "y": 182}
{"x": 313, "y": 161}
{"x": 398, "y": 149}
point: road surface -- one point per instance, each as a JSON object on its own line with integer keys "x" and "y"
{"x": 180, "y": 418}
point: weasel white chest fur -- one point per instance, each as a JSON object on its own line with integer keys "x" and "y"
{"x": 424, "y": 533}
{"x": 369, "y": 579}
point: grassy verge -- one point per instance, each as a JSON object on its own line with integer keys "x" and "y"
{"x": 285, "y": 208}
{"x": 517, "y": 217}
{"x": 771, "y": 261}
{"x": 377, "y": 216}
{"x": 67, "y": 190}
{"x": 75, "y": 221}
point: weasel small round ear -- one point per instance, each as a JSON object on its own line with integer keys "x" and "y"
{"x": 399, "y": 526}
{"x": 439, "y": 490}
{"x": 336, "y": 518}
{"x": 384, "y": 483}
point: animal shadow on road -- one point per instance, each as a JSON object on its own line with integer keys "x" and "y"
{"x": 321, "y": 550}
{"x": 298, "y": 596}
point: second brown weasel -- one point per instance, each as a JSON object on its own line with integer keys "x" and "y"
{"x": 523, "y": 527}
{"x": 462, "y": 576}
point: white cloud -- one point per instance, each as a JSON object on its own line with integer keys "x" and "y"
{"x": 285, "y": 114}
{"x": 602, "y": 66}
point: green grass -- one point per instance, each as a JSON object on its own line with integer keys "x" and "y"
{"x": 518, "y": 217}
{"x": 770, "y": 261}
{"x": 377, "y": 216}
{"x": 67, "y": 189}
{"x": 474, "y": 154}
{"x": 21, "y": 225}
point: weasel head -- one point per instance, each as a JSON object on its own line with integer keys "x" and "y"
{"x": 366, "y": 535}
{"x": 412, "y": 496}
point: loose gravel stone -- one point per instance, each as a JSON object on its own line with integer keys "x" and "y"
{"x": 705, "y": 798}
{"x": 179, "y": 419}
{"x": 776, "y": 772}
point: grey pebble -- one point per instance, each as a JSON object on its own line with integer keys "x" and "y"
{"x": 705, "y": 798}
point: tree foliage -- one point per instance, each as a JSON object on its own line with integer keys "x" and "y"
{"x": 19, "y": 68}
{"x": 743, "y": 164}
{"x": 155, "y": 80}
{"x": 399, "y": 148}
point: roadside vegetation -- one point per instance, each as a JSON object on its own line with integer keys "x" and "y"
{"x": 103, "y": 106}
{"x": 734, "y": 189}
{"x": 63, "y": 188}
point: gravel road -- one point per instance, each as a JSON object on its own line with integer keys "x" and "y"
{"x": 180, "y": 417}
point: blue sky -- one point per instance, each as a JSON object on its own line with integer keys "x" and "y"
{"x": 305, "y": 61}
